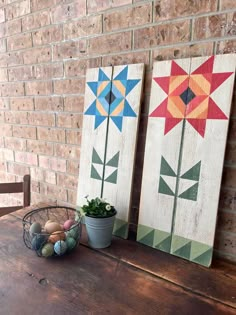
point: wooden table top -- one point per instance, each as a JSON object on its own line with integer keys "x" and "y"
{"x": 127, "y": 278}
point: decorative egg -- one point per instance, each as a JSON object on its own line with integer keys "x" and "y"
{"x": 60, "y": 247}
{"x": 38, "y": 241}
{"x": 68, "y": 224}
{"x": 48, "y": 221}
{"x": 35, "y": 228}
{"x": 70, "y": 242}
{"x": 48, "y": 250}
{"x": 73, "y": 232}
{"x": 53, "y": 227}
{"x": 57, "y": 236}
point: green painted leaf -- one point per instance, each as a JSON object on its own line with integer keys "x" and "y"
{"x": 193, "y": 173}
{"x": 190, "y": 193}
{"x": 95, "y": 157}
{"x": 114, "y": 161}
{"x": 166, "y": 169}
{"x": 164, "y": 188}
{"x": 94, "y": 174}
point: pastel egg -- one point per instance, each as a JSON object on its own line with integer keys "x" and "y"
{"x": 53, "y": 227}
{"x": 47, "y": 250}
{"x": 38, "y": 241}
{"x": 60, "y": 247}
{"x": 68, "y": 224}
{"x": 70, "y": 242}
{"x": 35, "y": 228}
{"x": 57, "y": 236}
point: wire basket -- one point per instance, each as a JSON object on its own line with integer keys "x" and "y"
{"x": 52, "y": 231}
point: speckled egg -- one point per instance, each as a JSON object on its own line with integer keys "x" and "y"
{"x": 38, "y": 241}
{"x": 35, "y": 228}
{"x": 60, "y": 247}
{"x": 70, "y": 242}
{"x": 68, "y": 224}
{"x": 57, "y": 236}
{"x": 53, "y": 227}
{"x": 47, "y": 250}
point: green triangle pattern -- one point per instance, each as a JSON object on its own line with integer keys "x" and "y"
{"x": 94, "y": 174}
{"x": 190, "y": 193}
{"x": 120, "y": 228}
{"x": 145, "y": 235}
{"x": 166, "y": 169}
{"x": 114, "y": 161}
{"x": 165, "y": 245}
{"x": 95, "y": 158}
{"x": 184, "y": 251}
{"x": 112, "y": 178}
{"x": 205, "y": 258}
{"x": 178, "y": 242}
{"x": 164, "y": 188}
{"x": 193, "y": 173}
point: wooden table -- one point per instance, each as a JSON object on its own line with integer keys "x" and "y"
{"x": 127, "y": 278}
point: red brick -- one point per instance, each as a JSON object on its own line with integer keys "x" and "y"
{"x": 15, "y": 144}
{"x": 16, "y": 117}
{"x": 37, "y": 174}
{"x": 226, "y": 243}
{"x": 228, "y": 199}
{"x": 41, "y": 119}
{"x": 39, "y": 147}
{"x": 98, "y": 5}
{"x": 72, "y": 196}
{"x": 50, "y": 177}
{"x": 26, "y": 158}
{"x": 19, "y": 42}
{"x": 4, "y": 104}
{"x": 47, "y": 35}
{"x": 67, "y": 181}
{"x": 35, "y": 186}
{"x": 129, "y": 17}
{"x": 79, "y": 67}
{"x": 24, "y": 132}
{"x": 21, "y": 73}
{"x": 178, "y": 52}
{"x": 230, "y": 155}
{"x": 17, "y": 9}
{"x": 51, "y": 134}
{"x": 11, "y": 59}
{"x": 37, "y": 55}
{"x": 227, "y": 4}
{"x": 37, "y": 20}
{"x": 41, "y": 4}
{"x": 6, "y": 130}
{"x": 12, "y": 89}
{"x": 70, "y": 50}
{"x": 47, "y": 71}
{"x": 167, "y": 10}
{"x": 162, "y": 34}
{"x": 3, "y": 46}
{"x": 2, "y": 15}
{"x": 73, "y": 137}
{"x": 86, "y": 26}
{"x": 72, "y": 86}
{"x": 18, "y": 169}
{"x": 226, "y": 47}
{"x": 67, "y": 151}
{"x": 229, "y": 177}
{"x": 44, "y": 161}
{"x": 210, "y": 26}
{"x": 128, "y": 58}
{"x": 110, "y": 43}
{"x": 68, "y": 11}
{"x": 8, "y": 154}
{"x": 58, "y": 165}
{"x": 54, "y": 191}
{"x": 2, "y": 120}
{"x": 53, "y": 103}
{"x": 227, "y": 221}
{"x": 13, "y": 27}
{"x": 3, "y": 75}
{"x": 69, "y": 120}
{"x": 74, "y": 104}
{"x": 38, "y": 88}
{"x": 24, "y": 103}
{"x": 73, "y": 167}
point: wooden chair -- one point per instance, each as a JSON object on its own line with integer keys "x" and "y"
{"x": 20, "y": 187}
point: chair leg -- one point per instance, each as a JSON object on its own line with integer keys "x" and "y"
{"x": 26, "y": 188}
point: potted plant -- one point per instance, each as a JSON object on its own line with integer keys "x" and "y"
{"x": 99, "y": 218}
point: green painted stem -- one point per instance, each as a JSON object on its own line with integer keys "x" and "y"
{"x": 178, "y": 177}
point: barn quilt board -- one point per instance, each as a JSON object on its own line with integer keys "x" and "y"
{"x": 111, "y": 116}
{"x": 184, "y": 154}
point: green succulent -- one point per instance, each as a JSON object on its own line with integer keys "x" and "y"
{"x": 97, "y": 207}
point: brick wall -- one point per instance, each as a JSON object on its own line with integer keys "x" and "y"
{"x": 45, "y": 48}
